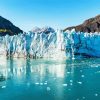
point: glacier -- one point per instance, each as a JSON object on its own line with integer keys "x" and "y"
{"x": 53, "y": 44}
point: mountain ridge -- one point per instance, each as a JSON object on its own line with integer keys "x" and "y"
{"x": 7, "y": 27}
{"x": 89, "y": 25}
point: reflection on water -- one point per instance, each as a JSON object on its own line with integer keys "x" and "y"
{"x": 26, "y": 67}
{"x": 49, "y": 79}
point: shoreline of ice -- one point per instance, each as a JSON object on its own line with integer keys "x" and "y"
{"x": 56, "y": 45}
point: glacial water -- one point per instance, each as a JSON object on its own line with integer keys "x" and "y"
{"x": 46, "y": 79}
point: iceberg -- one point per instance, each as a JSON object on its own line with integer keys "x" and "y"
{"x": 51, "y": 44}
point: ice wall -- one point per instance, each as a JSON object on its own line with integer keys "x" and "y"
{"x": 34, "y": 45}
{"x": 58, "y": 44}
{"x": 82, "y": 44}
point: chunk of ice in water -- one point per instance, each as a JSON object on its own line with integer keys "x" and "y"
{"x": 79, "y": 82}
{"x": 98, "y": 72}
{"x": 71, "y": 81}
{"x": 68, "y": 72}
{"x": 83, "y": 97}
{"x": 45, "y": 83}
{"x": 37, "y": 83}
{"x": 96, "y": 94}
{"x": 3, "y": 87}
{"x": 41, "y": 83}
{"x": 64, "y": 84}
{"x": 82, "y": 76}
{"x": 48, "y": 89}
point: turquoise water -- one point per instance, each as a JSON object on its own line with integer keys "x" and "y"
{"x": 27, "y": 79}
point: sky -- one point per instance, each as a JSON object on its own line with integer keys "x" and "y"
{"x": 27, "y": 14}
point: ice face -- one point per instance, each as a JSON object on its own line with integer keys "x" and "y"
{"x": 83, "y": 44}
{"x": 35, "y": 45}
{"x": 58, "y": 44}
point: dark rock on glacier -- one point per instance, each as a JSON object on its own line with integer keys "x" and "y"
{"x": 90, "y": 25}
{"x": 6, "y": 27}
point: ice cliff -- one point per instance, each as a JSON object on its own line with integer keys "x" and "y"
{"x": 82, "y": 44}
{"x": 33, "y": 44}
{"x": 52, "y": 44}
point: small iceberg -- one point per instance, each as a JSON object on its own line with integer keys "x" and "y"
{"x": 65, "y": 84}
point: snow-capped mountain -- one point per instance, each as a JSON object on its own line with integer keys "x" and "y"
{"x": 36, "y": 29}
{"x": 43, "y": 30}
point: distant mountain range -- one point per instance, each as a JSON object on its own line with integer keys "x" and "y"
{"x": 90, "y": 25}
{"x": 46, "y": 30}
{"x": 6, "y": 27}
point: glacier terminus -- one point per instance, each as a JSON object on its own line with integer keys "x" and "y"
{"x": 49, "y": 43}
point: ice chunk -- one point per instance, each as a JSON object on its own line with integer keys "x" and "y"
{"x": 3, "y": 87}
{"x": 65, "y": 84}
{"x": 37, "y": 83}
{"x": 48, "y": 89}
{"x": 79, "y": 82}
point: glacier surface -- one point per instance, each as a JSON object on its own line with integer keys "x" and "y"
{"x": 55, "y": 44}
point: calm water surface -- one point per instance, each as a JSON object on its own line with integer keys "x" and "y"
{"x": 27, "y": 79}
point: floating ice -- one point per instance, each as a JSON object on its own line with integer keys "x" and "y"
{"x": 83, "y": 97}
{"x": 37, "y": 83}
{"x": 48, "y": 89}
{"x": 71, "y": 81}
{"x": 3, "y": 87}
{"x": 45, "y": 83}
{"x": 98, "y": 72}
{"x": 96, "y": 94}
{"x": 82, "y": 76}
{"x": 64, "y": 84}
{"x": 41, "y": 83}
{"x": 79, "y": 82}
{"x": 68, "y": 72}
